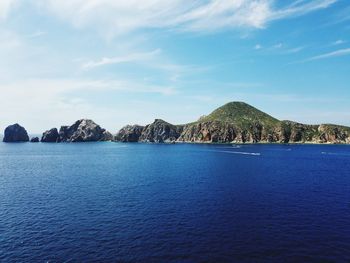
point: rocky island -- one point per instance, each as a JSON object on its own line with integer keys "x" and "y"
{"x": 81, "y": 131}
{"x": 235, "y": 122}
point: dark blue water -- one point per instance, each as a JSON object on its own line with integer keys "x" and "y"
{"x": 174, "y": 203}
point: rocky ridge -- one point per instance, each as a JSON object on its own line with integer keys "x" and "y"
{"x": 129, "y": 133}
{"x": 237, "y": 122}
{"x": 160, "y": 131}
{"x": 83, "y": 131}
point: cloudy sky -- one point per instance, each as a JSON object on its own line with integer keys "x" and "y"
{"x": 119, "y": 62}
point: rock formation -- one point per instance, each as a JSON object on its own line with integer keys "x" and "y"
{"x": 15, "y": 133}
{"x": 83, "y": 131}
{"x": 160, "y": 131}
{"x": 129, "y": 133}
{"x": 237, "y": 122}
{"x": 50, "y": 136}
{"x": 34, "y": 139}
{"x": 211, "y": 131}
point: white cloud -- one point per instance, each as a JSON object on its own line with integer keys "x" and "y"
{"x": 113, "y": 17}
{"x": 294, "y": 50}
{"x": 299, "y": 8}
{"x": 337, "y": 53}
{"x": 135, "y": 57}
{"x": 5, "y": 6}
{"x": 338, "y": 42}
{"x": 258, "y": 46}
{"x": 279, "y": 45}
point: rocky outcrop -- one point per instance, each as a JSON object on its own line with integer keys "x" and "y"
{"x": 15, "y": 133}
{"x": 208, "y": 132}
{"x": 83, "y": 131}
{"x": 225, "y": 132}
{"x": 129, "y": 133}
{"x": 50, "y": 136}
{"x": 235, "y": 122}
{"x": 34, "y": 139}
{"x": 293, "y": 132}
{"x": 333, "y": 134}
{"x": 160, "y": 131}
{"x": 284, "y": 132}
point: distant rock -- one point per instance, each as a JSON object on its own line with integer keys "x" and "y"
{"x": 234, "y": 122}
{"x": 237, "y": 122}
{"x": 160, "y": 131}
{"x": 83, "y": 131}
{"x": 15, "y": 133}
{"x": 50, "y": 136}
{"x": 129, "y": 133}
{"x": 293, "y": 132}
{"x": 208, "y": 131}
{"x": 34, "y": 139}
{"x": 333, "y": 134}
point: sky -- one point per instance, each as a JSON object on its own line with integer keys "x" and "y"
{"x": 128, "y": 62}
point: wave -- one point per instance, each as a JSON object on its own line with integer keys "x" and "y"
{"x": 243, "y": 153}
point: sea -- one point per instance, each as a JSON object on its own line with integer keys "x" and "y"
{"x": 134, "y": 202}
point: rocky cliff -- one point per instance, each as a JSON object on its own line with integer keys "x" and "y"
{"x": 160, "y": 131}
{"x": 15, "y": 133}
{"x": 50, "y": 136}
{"x": 129, "y": 133}
{"x": 83, "y": 131}
{"x": 237, "y": 122}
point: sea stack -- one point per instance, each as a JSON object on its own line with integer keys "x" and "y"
{"x": 15, "y": 133}
{"x": 84, "y": 131}
{"x": 35, "y": 139}
{"x": 50, "y": 135}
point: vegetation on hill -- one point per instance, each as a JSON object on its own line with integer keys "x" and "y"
{"x": 240, "y": 114}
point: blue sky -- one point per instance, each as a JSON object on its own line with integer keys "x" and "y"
{"x": 127, "y": 62}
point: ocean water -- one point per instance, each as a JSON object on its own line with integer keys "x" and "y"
{"x": 114, "y": 202}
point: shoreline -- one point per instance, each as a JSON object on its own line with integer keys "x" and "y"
{"x": 193, "y": 143}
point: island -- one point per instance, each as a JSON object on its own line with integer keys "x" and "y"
{"x": 234, "y": 122}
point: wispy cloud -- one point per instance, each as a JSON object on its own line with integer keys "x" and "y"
{"x": 257, "y": 47}
{"x": 279, "y": 45}
{"x": 299, "y": 8}
{"x": 338, "y": 42}
{"x": 337, "y": 53}
{"x": 294, "y": 50}
{"x": 133, "y": 57}
{"x": 114, "y": 17}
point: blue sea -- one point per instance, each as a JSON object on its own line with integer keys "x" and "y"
{"x": 115, "y": 202}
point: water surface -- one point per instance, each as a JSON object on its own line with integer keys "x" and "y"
{"x": 174, "y": 203}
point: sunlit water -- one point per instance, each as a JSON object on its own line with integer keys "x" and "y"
{"x": 174, "y": 203}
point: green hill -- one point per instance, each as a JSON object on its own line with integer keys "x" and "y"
{"x": 238, "y": 122}
{"x": 240, "y": 114}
